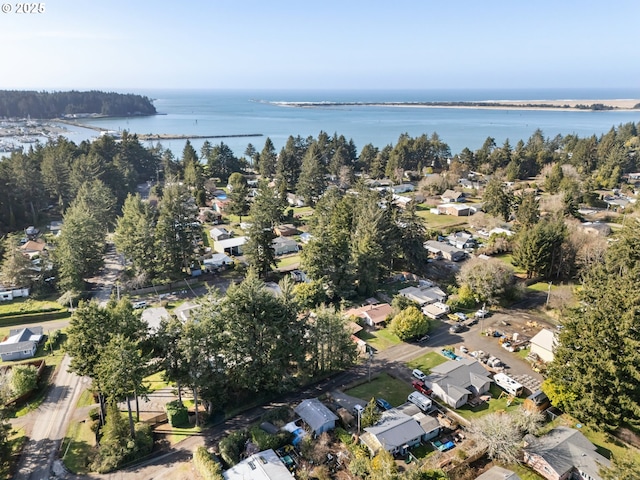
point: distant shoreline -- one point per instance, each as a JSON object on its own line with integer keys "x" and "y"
{"x": 562, "y": 105}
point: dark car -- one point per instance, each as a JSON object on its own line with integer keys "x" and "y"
{"x": 383, "y": 404}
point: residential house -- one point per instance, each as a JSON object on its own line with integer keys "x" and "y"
{"x": 286, "y": 230}
{"x": 316, "y": 415}
{"x": 454, "y": 210}
{"x": 435, "y": 310}
{"x": 284, "y": 245}
{"x": 295, "y": 200}
{"x": 455, "y": 382}
{"x": 596, "y": 228}
{"x": 230, "y": 246}
{"x": 33, "y": 248}
{"x": 451, "y": 196}
{"x": 55, "y": 226}
{"x": 444, "y": 250}
{"x": 217, "y": 260}
{"x": 564, "y": 453}
{"x": 265, "y": 465}
{"x": 543, "y": 344}
{"x": 7, "y": 295}
{"x": 399, "y": 429}
{"x": 498, "y": 473}
{"x": 461, "y": 240}
{"x": 184, "y": 311}
{"x": 220, "y": 233}
{"x": 401, "y": 200}
{"x": 424, "y": 295}
{"x": 21, "y": 343}
{"x": 402, "y": 188}
{"x": 373, "y": 315}
{"x": 153, "y": 316}
{"x": 32, "y": 232}
{"x": 220, "y": 204}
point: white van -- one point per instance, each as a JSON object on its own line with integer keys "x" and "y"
{"x": 418, "y": 374}
{"x": 508, "y": 384}
{"x": 421, "y": 401}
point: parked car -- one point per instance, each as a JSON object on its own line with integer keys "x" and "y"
{"x": 423, "y": 339}
{"x": 140, "y": 305}
{"x": 383, "y": 404}
{"x": 482, "y": 313}
{"x": 358, "y": 410}
{"x": 418, "y": 374}
{"x": 472, "y": 322}
{"x": 456, "y": 328}
{"x": 463, "y": 349}
{"x": 449, "y": 354}
{"x": 461, "y": 316}
{"x": 420, "y": 386}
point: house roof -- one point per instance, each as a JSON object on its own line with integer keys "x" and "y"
{"x": 452, "y": 194}
{"x": 230, "y": 243}
{"x": 153, "y": 316}
{"x": 217, "y": 231}
{"x": 427, "y": 422}
{"x": 395, "y": 428}
{"x": 33, "y": 246}
{"x": 455, "y": 206}
{"x": 498, "y": 473}
{"x": 454, "y": 377}
{"x": 184, "y": 311}
{"x": 314, "y": 413}
{"x": 422, "y": 295}
{"x": 21, "y": 339}
{"x": 545, "y": 339}
{"x": 265, "y": 465}
{"x": 435, "y": 246}
{"x": 376, "y": 313}
{"x": 283, "y": 241}
{"x": 564, "y": 448}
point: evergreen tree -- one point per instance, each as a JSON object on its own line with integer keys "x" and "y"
{"x": 266, "y": 211}
{"x": 496, "y": 200}
{"x": 527, "y": 211}
{"x": 268, "y": 158}
{"x": 134, "y": 235}
{"x": 16, "y": 270}
{"x": 238, "y": 204}
{"x": 595, "y": 374}
{"x": 311, "y": 183}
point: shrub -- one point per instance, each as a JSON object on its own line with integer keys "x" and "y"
{"x": 206, "y": 464}
{"x": 94, "y": 413}
{"x": 177, "y": 414}
{"x": 231, "y": 447}
{"x": 275, "y": 415}
{"x": 24, "y": 378}
{"x": 266, "y": 441}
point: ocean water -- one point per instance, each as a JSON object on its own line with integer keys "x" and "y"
{"x": 211, "y": 112}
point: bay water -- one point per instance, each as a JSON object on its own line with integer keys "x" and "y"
{"x": 243, "y": 112}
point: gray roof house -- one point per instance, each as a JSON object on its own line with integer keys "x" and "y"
{"x": 315, "y": 414}
{"x": 424, "y": 295}
{"x": 184, "y": 311}
{"x": 284, "y": 245}
{"x": 153, "y": 316}
{"x": 395, "y": 432}
{"x": 22, "y": 343}
{"x": 445, "y": 250}
{"x": 455, "y": 382}
{"x": 563, "y": 453}
{"x": 498, "y": 473}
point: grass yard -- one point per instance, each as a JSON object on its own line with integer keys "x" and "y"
{"x": 288, "y": 261}
{"x": 384, "y": 386}
{"x": 508, "y": 259}
{"x": 155, "y": 382}
{"x": 178, "y": 434}
{"x": 496, "y": 404}
{"x": 379, "y": 339}
{"x": 524, "y": 472}
{"x": 28, "y": 305}
{"x": 77, "y": 446}
{"x": 440, "y": 221}
{"x": 427, "y": 361}
{"x": 86, "y": 399}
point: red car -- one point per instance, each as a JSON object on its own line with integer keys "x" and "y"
{"x": 419, "y": 386}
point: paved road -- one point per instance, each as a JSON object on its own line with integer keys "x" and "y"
{"x": 52, "y": 419}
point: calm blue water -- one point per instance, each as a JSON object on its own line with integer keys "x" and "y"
{"x": 200, "y": 112}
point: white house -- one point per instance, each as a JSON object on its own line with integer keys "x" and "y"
{"x": 216, "y": 261}
{"x": 230, "y": 246}
{"x": 265, "y": 465}
{"x": 543, "y": 344}
{"x": 22, "y": 343}
{"x": 435, "y": 310}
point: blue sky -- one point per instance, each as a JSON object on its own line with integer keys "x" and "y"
{"x": 346, "y": 44}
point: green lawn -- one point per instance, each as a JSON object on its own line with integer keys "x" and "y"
{"x": 384, "y": 386}
{"x": 508, "y": 259}
{"x": 379, "y": 339}
{"x": 86, "y": 399}
{"x": 28, "y": 305}
{"x": 179, "y": 434}
{"x": 288, "y": 261}
{"x": 77, "y": 446}
{"x": 155, "y": 382}
{"x": 427, "y": 361}
{"x": 439, "y": 221}
{"x": 496, "y": 404}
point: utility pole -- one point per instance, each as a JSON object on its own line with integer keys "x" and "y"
{"x": 548, "y": 294}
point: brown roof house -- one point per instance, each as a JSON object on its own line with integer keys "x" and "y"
{"x": 564, "y": 453}
{"x": 373, "y": 315}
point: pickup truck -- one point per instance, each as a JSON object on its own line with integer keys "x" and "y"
{"x": 419, "y": 386}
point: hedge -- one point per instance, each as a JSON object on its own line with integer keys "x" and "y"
{"x": 206, "y": 464}
{"x": 177, "y": 414}
{"x": 8, "y": 320}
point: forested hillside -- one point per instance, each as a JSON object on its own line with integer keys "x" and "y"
{"x": 21, "y": 104}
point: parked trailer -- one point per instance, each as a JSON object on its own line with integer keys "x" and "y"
{"x": 508, "y": 384}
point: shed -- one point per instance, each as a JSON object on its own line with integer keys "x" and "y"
{"x": 543, "y": 344}
{"x": 315, "y": 414}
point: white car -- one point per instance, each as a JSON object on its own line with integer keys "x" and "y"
{"x": 419, "y": 375}
{"x": 481, "y": 313}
